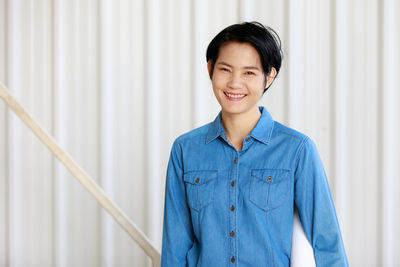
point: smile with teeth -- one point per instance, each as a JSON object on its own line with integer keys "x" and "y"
{"x": 236, "y": 96}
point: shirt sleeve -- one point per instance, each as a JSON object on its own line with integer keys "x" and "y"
{"x": 178, "y": 234}
{"x": 316, "y": 208}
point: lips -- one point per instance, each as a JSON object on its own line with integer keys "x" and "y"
{"x": 234, "y": 97}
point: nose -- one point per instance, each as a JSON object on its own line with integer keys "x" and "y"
{"x": 235, "y": 81}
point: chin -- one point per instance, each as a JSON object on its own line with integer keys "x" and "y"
{"x": 238, "y": 109}
{"x": 233, "y": 110}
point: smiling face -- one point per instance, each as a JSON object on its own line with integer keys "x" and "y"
{"x": 238, "y": 78}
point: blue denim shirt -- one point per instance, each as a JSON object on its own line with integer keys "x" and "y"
{"x": 225, "y": 207}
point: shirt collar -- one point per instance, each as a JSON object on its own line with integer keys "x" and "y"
{"x": 262, "y": 131}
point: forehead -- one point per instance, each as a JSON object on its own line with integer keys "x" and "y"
{"x": 237, "y": 53}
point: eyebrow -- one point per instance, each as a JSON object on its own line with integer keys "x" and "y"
{"x": 246, "y": 67}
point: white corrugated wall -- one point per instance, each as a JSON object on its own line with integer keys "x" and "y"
{"x": 116, "y": 82}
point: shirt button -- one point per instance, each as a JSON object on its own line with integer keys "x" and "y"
{"x": 197, "y": 180}
{"x": 233, "y": 183}
{"x": 232, "y": 208}
{"x": 232, "y": 234}
{"x": 269, "y": 178}
{"x": 235, "y": 160}
{"x": 233, "y": 259}
{"x": 247, "y": 139}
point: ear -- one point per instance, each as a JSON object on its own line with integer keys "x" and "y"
{"x": 209, "y": 67}
{"x": 270, "y": 77}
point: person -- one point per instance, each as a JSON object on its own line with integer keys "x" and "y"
{"x": 231, "y": 185}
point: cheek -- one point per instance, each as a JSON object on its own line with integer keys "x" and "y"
{"x": 258, "y": 84}
{"x": 217, "y": 82}
{"x": 216, "y": 87}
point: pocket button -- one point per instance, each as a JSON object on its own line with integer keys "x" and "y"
{"x": 269, "y": 188}
{"x": 200, "y": 186}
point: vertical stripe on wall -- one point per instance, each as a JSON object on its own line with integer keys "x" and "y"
{"x": 29, "y": 163}
{"x": 4, "y": 217}
{"x": 153, "y": 74}
{"x": 340, "y": 81}
{"x": 390, "y": 132}
{"x": 77, "y": 224}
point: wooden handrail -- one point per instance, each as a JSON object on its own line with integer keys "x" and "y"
{"x": 87, "y": 182}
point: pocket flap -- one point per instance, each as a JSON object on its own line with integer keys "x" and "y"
{"x": 271, "y": 175}
{"x": 199, "y": 177}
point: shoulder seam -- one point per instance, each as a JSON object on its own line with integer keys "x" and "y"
{"x": 296, "y": 134}
{"x": 301, "y": 148}
{"x": 175, "y": 147}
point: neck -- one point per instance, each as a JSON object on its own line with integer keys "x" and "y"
{"x": 238, "y": 126}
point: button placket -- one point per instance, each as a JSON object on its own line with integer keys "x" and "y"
{"x": 246, "y": 143}
{"x": 232, "y": 208}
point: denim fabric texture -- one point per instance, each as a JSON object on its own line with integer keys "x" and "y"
{"x": 225, "y": 207}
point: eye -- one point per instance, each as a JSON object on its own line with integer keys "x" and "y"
{"x": 224, "y": 69}
{"x": 250, "y": 73}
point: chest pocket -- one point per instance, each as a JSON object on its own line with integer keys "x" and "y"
{"x": 200, "y": 187}
{"x": 269, "y": 188}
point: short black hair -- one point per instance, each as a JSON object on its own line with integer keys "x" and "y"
{"x": 264, "y": 39}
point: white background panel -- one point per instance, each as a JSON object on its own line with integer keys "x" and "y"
{"x": 115, "y": 82}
